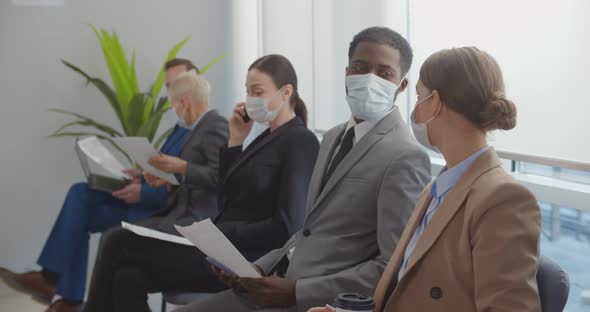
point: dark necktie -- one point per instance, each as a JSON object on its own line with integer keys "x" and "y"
{"x": 345, "y": 147}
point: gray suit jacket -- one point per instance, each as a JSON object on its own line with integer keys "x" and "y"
{"x": 353, "y": 225}
{"x": 196, "y": 197}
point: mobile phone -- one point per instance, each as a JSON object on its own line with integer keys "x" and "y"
{"x": 245, "y": 117}
{"x": 220, "y": 266}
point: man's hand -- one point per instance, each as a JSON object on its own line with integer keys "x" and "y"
{"x": 154, "y": 181}
{"x": 169, "y": 164}
{"x": 231, "y": 281}
{"x": 327, "y": 308}
{"x": 131, "y": 194}
{"x": 135, "y": 175}
{"x": 271, "y": 291}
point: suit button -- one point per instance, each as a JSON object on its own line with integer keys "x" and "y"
{"x": 306, "y": 233}
{"x": 436, "y": 293}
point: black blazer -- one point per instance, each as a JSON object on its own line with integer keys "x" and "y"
{"x": 264, "y": 188}
{"x": 196, "y": 198}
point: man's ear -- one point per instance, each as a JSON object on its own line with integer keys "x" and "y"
{"x": 403, "y": 85}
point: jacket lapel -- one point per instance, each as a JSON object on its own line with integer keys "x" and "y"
{"x": 253, "y": 149}
{"x": 450, "y": 206}
{"x": 322, "y": 162}
{"x": 389, "y": 278}
{"x": 356, "y": 153}
{"x": 196, "y": 129}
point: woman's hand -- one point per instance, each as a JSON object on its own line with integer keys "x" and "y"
{"x": 327, "y": 308}
{"x": 238, "y": 128}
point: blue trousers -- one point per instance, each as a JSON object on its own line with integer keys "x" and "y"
{"x": 84, "y": 211}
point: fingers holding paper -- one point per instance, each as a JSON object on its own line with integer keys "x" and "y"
{"x": 169, "y": 164}
{"x": 154, "y": 181}
{"x": 230, "y": 280}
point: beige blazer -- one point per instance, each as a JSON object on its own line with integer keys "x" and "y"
{"x": 479, "y": 252}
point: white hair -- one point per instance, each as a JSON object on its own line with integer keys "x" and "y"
{"x": 190, "y": 84}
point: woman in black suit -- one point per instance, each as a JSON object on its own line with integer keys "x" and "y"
{"x": 263, "y": 192}
{"x": 264, "y": 186}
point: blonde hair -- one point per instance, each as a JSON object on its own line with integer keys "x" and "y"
{"x": 469, "y": 81}
{"x": 191, "y": 85}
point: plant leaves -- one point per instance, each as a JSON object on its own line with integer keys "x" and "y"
{"x": 149, "y": 128}
{"x": 163, "y": 137}
{"x": 163, "y": 104}
{"x": 133, "y": 75}
{"x": 105, "y": 89}
{"x": 157, "y": 87}
{"x": 89, "y": 123}
{"x": 136, "y": 106}
{"x": 217, "y": 59}
{"x": 118, "y": 75}
{"x": 85, "y": 122}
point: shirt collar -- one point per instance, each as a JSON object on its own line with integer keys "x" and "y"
{"x": 449, "y": 177}
{"x": 197, "y": 121}
{"x": 361, "y": 129}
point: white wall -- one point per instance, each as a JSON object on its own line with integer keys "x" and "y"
{"x": 36, "y": 172}
{"x": 335, "y": 22}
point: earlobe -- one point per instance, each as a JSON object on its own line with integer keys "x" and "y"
{"x": 288, "y": 92}
{"x": 403, "y": 85}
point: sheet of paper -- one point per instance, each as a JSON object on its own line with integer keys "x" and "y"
{"x": 141, "y": 150}
{"x": 100, "y": 154}
{"x": 146, "y": 232}
{"x": 209, "y": 239}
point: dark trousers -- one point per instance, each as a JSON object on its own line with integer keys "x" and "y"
{"x": 129, "y": 266}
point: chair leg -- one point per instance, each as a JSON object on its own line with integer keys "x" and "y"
{"x": 163, "y": 303}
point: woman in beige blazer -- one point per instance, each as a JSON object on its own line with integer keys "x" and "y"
{"x": 472, "y": 243}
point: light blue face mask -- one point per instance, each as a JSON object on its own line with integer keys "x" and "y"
{"x": 421, "y": 129}
{"x": 258, "y": 108}
{"x": 369, "y": 96}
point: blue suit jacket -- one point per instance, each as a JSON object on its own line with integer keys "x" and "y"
{"x": 154, "y": 199}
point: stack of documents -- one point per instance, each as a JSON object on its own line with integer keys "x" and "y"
{"x": 141, "y": 150}
{"x": 209, "y": 239}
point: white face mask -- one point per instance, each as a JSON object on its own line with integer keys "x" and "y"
{"x": 421, "y": 129}
{"x": 258, "y": 109}
{"x": 370, "y": 97}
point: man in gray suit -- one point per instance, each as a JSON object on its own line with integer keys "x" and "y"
{"x": 367, "y": 178}
{"x": 120, "y": 270}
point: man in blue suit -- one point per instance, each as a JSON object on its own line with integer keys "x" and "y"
{"x": 64, "y": 258}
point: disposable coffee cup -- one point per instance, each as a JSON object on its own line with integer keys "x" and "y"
{"x": 352, "y": 302}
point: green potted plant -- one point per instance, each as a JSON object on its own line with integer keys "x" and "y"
{"x": 139, "y": 113}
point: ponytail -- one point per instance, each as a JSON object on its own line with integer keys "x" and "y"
{"x": 299, "y": 107}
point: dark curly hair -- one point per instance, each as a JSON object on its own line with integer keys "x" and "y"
{"x": 384, "y": 35}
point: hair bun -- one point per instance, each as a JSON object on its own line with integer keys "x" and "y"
{"x": 500, "y": 113}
